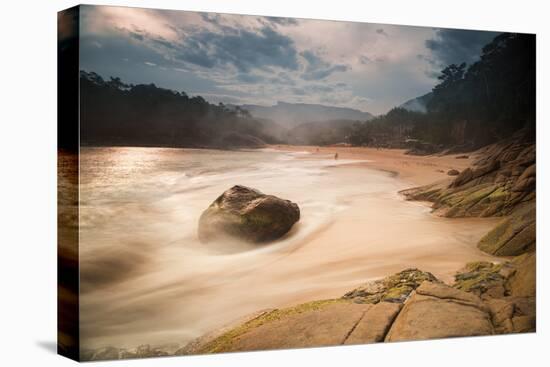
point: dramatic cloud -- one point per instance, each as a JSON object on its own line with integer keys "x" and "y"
{"x": 262, "y": 60}
{"x": 317, "y": 68}
{"x": 241, "y": 48}
{"x": 455, "y": 46}
{"x": 282, "y": 21}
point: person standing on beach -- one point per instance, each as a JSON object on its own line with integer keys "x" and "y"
{"x": 336, "y": 156}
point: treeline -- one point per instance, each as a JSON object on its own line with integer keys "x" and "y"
{"x": 471, "y": 106}
{"x": 115, "y": 113}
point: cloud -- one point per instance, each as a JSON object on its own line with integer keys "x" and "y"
{"x": 317, "y": 68}
{"x": 282, "y": 21}
{"x": 364, "y": 59}
{"x": 455, "y": 46}
{"x": 242, "y": 48}
{"x": 213, "y": 18}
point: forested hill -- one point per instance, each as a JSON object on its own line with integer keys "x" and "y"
{"x": 115, "y": 113}
{"x": 471, "y": 106}
{"x": 291, "y": 115}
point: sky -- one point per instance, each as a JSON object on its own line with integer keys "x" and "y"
{"x": 242, "y": 59}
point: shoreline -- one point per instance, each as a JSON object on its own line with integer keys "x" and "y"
{"x": 417, "y": 170}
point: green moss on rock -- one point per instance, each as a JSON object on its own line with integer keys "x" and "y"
{"x": 394, "y": 288}
{"x": 223, "y": 342}
{"x": 481, "y": 277}
{"x": 513, "y": 236}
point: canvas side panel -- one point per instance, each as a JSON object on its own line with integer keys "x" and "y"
{"x": 67, "y": 186}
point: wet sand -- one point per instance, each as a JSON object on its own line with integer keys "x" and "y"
{"x": 418, "y": 170}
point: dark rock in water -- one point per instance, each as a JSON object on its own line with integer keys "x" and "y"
{"x": 248, "y": 214}
{"x": 453, "y": 172}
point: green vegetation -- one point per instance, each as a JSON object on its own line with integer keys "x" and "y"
{"x": 472, "y": 106}
{"x": 115, "y": 113}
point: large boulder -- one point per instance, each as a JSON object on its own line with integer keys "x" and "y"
{"x": 247, "y": 214}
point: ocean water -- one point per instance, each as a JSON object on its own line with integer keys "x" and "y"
{"x": 146, "y": 279}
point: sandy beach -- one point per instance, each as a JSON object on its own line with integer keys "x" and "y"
{"x": 418, "y": 170}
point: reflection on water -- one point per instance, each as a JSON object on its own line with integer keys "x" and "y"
{"x": 145, "y": 278}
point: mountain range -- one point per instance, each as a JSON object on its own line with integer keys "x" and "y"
{"x": 290, "y": 115}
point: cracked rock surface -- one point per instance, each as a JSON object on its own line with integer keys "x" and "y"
{"x": 485, "y": 299}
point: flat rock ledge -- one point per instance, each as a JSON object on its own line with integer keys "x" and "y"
{"x": 485, "y": 299}
{"x": 438, "y": 311}
{"x": 409, "y": 305}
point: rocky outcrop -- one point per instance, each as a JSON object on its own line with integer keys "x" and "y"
{"x": 247, "y": 214}
{"x": 501, "y": 180}
{"x": 436, "y": 310}
{"x": 513, "y": 314}
{"x": 319, "y": 323}
{"x": 394, "y": 288}
{"x": 314, "y": 324}
{"x": 508, "y": 289}
{"x": 409, "y": 305}
{"x": 453, "y": 172}
{"x": 374, "y": 325}
{"x": 112, "y": 353}
{"x": 432, "y": 310}
{"x": 514, "y": 236}
{"x": 502, "y": 183}
{"x": 490, "y": 280}
{"x": 485, "y": 299}
{"x": 522, "y": 282}
{"x": 484, "y": 279}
